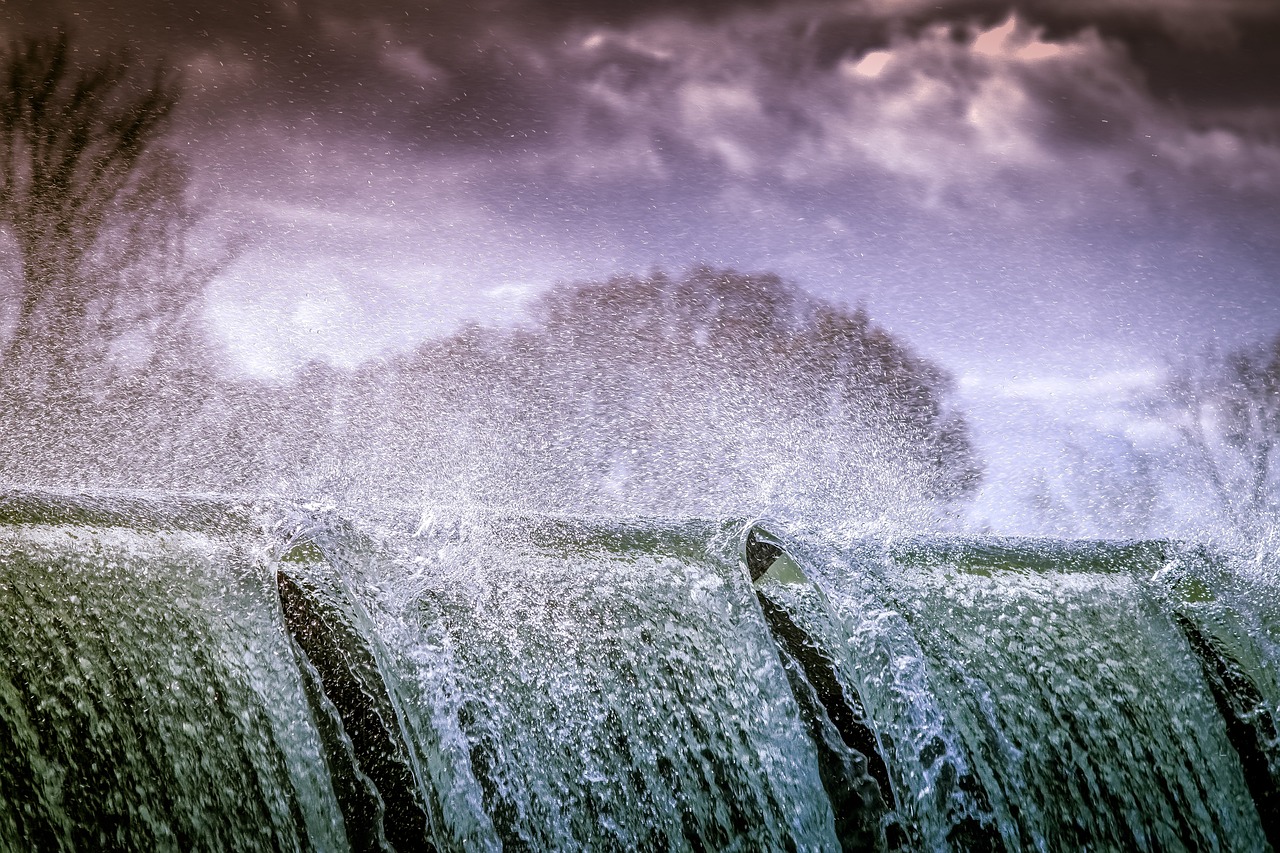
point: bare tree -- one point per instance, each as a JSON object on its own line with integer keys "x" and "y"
{"x": 1228, "y": 414}
{"x": 90, "y": 199}
{"x": 717, "y": 393}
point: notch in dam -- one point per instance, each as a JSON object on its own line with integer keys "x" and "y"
{"x": 368, "y": 759}
{"x": 850, "y": 762}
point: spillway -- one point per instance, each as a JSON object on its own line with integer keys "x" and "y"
{"x": 217, "y": 673}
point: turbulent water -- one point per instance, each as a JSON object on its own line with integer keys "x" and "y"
{"x": 219, "y": 674}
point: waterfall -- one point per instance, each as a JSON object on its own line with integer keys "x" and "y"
{"x": 217, "y": 673}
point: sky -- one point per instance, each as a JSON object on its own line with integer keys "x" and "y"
{"x": 1031, "y": 193}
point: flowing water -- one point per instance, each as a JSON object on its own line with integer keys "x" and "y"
{"x": 218, "y": 674}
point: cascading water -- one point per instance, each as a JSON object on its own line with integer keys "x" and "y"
{"x": 216, "y": 674}
{"x": 1072, "y": 686}
{"x": 148, "y": 697}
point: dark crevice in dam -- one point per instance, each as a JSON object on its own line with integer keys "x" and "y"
{"x": 761, "y": 554}
{"x": 592, "y": 684}
{"x": 1251, "y": 727}
{"x": 850, "y": 763}
{"x": 351, "y": 684}
{"x": 830, "y": 706}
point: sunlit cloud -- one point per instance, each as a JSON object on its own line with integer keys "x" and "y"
{"x": 1003, "y": 117}
{"x": 219, "y": 67}
{"x": 1113, "y": 385}
{"x": 970, "y": 170}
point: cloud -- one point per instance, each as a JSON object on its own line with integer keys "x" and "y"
{"x": 943, "y": 115}
{"x": 961, "y": 105}
{"x": 1001, "y": 117}
{"x": 1195, "y": 22}
{"x": 1111, "y": 387}
{"x": 973, "y": 172}
{"x": 1230, "y": 159}
{"x": 218, "y": 67}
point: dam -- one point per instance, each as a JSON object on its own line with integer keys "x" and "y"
{"x": 218, "y": 673}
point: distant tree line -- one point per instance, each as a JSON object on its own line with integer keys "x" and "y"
{"x": 715, "y": 392}
{"x": 94, "y": 212}
{"x": 1199, "y": 455}
{"x": 1226, "y": 410}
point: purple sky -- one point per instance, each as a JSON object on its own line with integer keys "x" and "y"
{"x": 1050, "y": 188}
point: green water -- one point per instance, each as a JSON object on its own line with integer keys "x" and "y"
{"x": 1084, "y": 710}
{"x": 530, "y": 682}
{"x": 149, "y": 700}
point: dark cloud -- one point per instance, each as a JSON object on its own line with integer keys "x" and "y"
{"x": 977, "y": 170}
{"x": 497, "y": 71}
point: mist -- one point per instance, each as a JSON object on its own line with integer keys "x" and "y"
{"x": 736, "y": 424}
{"x": 1069, "y": 236}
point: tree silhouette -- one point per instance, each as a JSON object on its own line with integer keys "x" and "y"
{"x": 90, "y": 200}
{"x": 717, "y": 393}
{"x": 1227, "y": 411}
